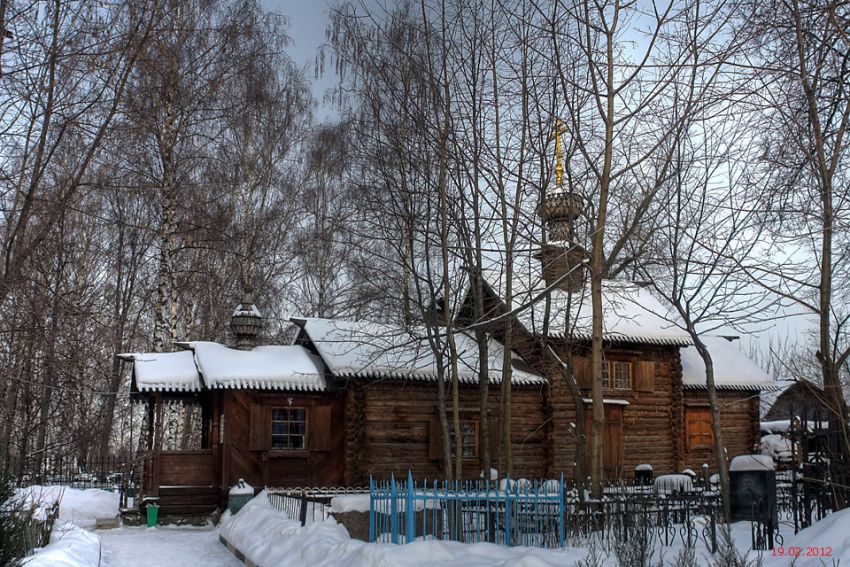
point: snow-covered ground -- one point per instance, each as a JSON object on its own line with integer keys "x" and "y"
{"x": 270, "y": 539}
{"x": 165, "y": 546}
{"x": 80, "y": 507}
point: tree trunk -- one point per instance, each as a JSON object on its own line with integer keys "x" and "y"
{"x": 716, "y": 429}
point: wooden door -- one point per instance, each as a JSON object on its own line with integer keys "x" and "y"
{"x": 612, "y": 440}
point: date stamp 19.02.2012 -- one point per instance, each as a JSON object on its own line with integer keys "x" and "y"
{"x": 808, "y": 551}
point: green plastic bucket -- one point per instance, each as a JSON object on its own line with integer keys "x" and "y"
{"x": 153, "y": 512}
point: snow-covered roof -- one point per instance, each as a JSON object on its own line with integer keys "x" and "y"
{"x": 630, "y": 313}
{"x": 785, "y": 425}
{"x": 165, "y": 371}
{"x": 769, "y": 397}
{"x": 273, "y": 367}
{"x": 375, "y": 350}
{"x": 214, "y": 366}
{"x": 732, "y": 368}
{"x": 250, "y": 310}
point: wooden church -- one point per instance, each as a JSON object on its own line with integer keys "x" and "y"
{"x": 349, "y": 399}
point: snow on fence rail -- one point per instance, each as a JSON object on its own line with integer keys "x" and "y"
{"x": 537, "y": 514}
{"x": 308, "y": 505}
{"x": 516, "y": 513}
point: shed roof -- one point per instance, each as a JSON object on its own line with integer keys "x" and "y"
{"x": 732, "y": 368}
{"x": 165, "y": 371}
{"x": 377, "y": 350}
{"x": 213, "y": 365}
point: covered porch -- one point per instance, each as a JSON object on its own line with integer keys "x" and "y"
{"x": 180, "y": 467}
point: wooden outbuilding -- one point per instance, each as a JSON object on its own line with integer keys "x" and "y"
{"x": 798, "y": 400}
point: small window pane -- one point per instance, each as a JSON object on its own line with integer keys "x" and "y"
{"x": 288, "y": 428}
{"x": 617, "y": 375}
{"x": 469, "y": 439}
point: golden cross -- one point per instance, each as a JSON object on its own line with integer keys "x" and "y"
{"x": 560, "y": 130}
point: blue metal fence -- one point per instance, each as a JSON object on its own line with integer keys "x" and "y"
{"x": 539, "y": 514}
{"x": 528, "y": 513}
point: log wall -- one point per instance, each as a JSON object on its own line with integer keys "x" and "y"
{"x": 650, "y": 420}
{"x": 390, "y": 430}
{"x": 739, "y": 421}
{"x": 799, "y": 400}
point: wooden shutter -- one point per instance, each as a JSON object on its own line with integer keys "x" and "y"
{"x": 259, "y": 428}
{"x": 644, "y": 376}
{"x": 698, "y": 428}
{"x": 319, "y": 428}
{"x": 581, "y": 371}
{"x": 435, "y": 440}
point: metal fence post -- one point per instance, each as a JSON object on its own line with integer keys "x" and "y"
{"x": 393, "y": 511}
{"x": 371, "y": 509}
{"x": 302, "y": 513}
{"x": 561, "y": 513}
{"x": 714, "y": 529}
{"x": 508, "y": 511}
{"x": 410, "y": 509}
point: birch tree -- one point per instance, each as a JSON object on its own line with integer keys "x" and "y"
{"x": 622, "y": 71}
{"x": 708, "y": 218}
{"x": 801, "y": 55}
{"x": 66, "y": 71}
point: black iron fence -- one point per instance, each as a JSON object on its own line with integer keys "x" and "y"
{"x": 308, "y": 505}
{"x": 113, "y": 473}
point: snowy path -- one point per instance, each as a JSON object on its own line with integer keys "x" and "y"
{"x": 164, "y": 547}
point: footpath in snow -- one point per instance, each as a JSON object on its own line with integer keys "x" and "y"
{"x": 269, "y": 539}
{"x": 164, "y": 546}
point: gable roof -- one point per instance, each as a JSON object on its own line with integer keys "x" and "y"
{"x": 732, "y": 368}
{"x": 376, "y": 350}
{"x": 630, "y": 313}
{"x": 215, "y": 366}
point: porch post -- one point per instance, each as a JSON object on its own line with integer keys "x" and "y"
{"x": 206, "y": 420}
{"x": 214, "y": 401}
{"x": 157, "y": 445}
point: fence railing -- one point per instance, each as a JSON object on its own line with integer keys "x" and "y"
{"x": 308, "y": 505}
{"x": 107, "y": 473}
{"x": 540, "y": 514}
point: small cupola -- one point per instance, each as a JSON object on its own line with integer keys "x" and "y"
{"x": 246, "y": 322}
{"x": 562, "y": 255}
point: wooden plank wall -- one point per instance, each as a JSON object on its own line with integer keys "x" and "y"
{"x": 187, "y": 468}
{"x": 389, "y": 427}
{"x": 320, "y": 464}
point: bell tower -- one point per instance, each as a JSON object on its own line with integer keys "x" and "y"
{"x": 561, "y": 255}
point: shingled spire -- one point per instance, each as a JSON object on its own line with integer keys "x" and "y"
{"x": 562, "y": 255}
{"x": 246, "y": 322}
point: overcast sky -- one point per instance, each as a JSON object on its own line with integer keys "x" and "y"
{"x": 307, "y": 22}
